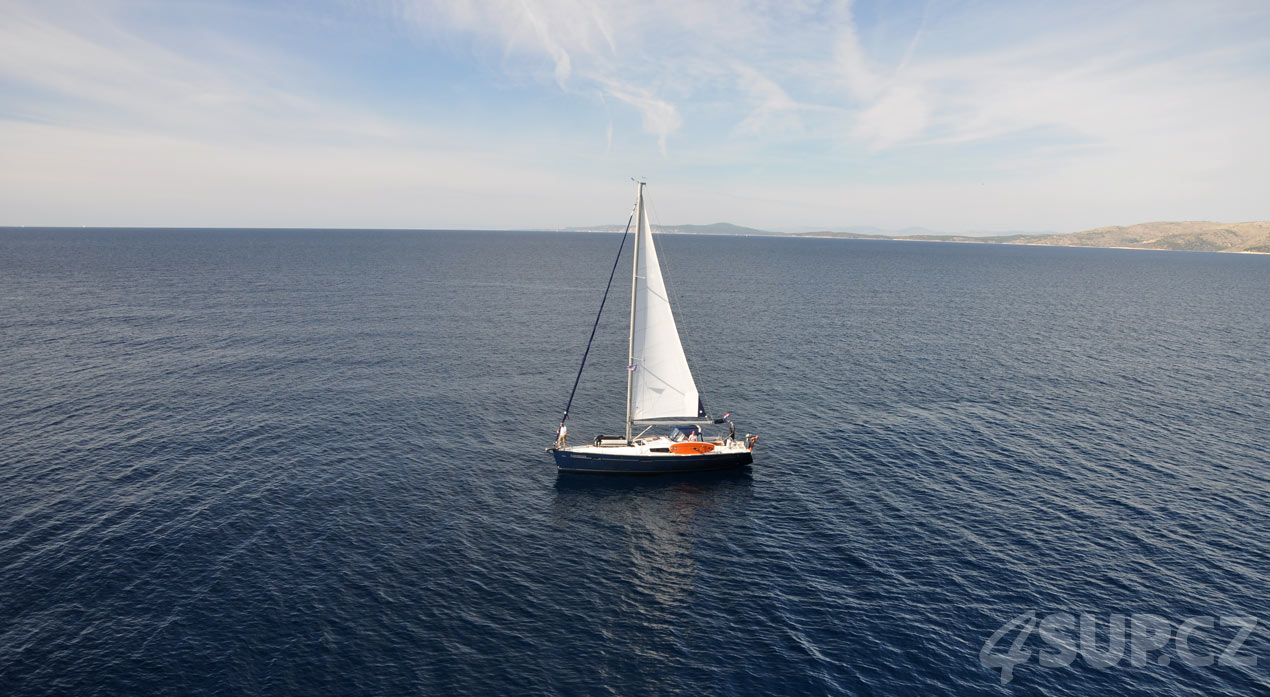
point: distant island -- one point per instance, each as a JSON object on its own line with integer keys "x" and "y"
{"x": 713, "y": 229}
{"x": 1191, "y": 236}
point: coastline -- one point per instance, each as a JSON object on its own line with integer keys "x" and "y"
{"x": 986, "y": 241}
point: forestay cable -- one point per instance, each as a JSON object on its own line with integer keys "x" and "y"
{"x": 568, "y": 405}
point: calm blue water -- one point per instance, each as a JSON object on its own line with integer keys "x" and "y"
{"x": 311, "y": 463}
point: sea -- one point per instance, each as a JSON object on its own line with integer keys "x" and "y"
{"x": 312, "y": 462}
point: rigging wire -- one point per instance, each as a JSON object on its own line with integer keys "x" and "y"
{"x": 568, "y": 405}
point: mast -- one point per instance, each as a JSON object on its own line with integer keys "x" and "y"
{"x": 630, "y": 336}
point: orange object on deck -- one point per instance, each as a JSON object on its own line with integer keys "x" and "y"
{"x": 690, "y": 448}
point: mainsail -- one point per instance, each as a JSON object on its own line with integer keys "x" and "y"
{"x": 661, "y": 384}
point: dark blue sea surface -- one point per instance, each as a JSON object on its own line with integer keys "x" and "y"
{"x": 311, "y": 463}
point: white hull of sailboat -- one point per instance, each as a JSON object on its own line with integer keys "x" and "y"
{"x": 653, "y": 456}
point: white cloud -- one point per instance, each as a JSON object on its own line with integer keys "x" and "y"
{"x": 898, "y": 115}
{"x": 775, "y": 114}
{"x": 858, "y": 76}
{"x": 576, "y": 36}
{"x": 90, "y": 72}
{"x": 775, "y": 110}
{"x": 659, "y": 116}
{"x": 651, "y": 56}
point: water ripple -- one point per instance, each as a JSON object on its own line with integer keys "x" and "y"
{"x": 310, "y": 463}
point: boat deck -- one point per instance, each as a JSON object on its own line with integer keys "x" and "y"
{"x": 652, "y": 456}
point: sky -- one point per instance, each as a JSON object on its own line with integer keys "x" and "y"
{"x": 792, "y": 115}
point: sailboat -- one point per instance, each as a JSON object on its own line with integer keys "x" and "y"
{"x": 660, "y": 391}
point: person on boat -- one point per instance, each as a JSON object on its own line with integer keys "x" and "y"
{"x": 560, "y": 437}
{"x": 689, "y": 433}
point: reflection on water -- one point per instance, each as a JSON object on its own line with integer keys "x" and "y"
{"x": 599, "y": 484}
{"x": 662, "y": 526}
{"x": 662, "y": 506}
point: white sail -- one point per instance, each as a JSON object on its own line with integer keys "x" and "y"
{"x": 661, "y": 385}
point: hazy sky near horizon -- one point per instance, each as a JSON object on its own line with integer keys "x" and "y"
{"x": 987, "y": 116}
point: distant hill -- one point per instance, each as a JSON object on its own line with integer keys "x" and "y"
{"x": 923, "y": 237}
{"x": 711, "y": 229}
{"x": 864, "y": 232}
{"x": 715, "y": 229}
{"x": 1195, "y": 236}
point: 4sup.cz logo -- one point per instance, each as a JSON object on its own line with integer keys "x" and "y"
{"x": 1196, "y": 641}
